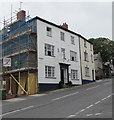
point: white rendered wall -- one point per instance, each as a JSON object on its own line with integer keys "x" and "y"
{"x": 43, "y": 60}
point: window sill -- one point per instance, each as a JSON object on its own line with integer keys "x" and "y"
{"x": 63, "y": 40}
{"x": 49, "y": 56}
{"x": 86, "y": 60}
{"x": 74, "y": 61}
{"x": 75, "y": 79}
{"x": 51, "y": 77}
{"x": 72, "y": 44}
{"x": 49, "y": 35}
{"x": 87, "y": 76}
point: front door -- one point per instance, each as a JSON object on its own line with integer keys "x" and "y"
{"x": 93, "y": 74}
{"x": 64, "y": 73}
{"x": 64, "y": 76}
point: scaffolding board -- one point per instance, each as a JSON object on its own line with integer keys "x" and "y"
{"x": 19, "y": 41}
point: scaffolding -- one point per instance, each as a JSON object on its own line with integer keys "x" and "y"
{"x": 19, "y": 42}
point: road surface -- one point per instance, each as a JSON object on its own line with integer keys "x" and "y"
{"x": 93, "y": 100}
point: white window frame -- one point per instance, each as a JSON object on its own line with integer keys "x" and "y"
{"x": 91, "y": 47}
{"x": 62, "y": 35}
{"x": 92, "y": 58}
{"x": 63, "y": 53}
{"x": 49, "y": 71}
{"x": 73, "y": 55}
{"x": 49, "y": 31}
{"x": 85, "y": 56}
{"x": 87, "y": 71}
{"x": 49, "y": 50}
{"x": 74, "y": 74}
{"x": 72, "y": 40}
{"x": 85, "y": 43}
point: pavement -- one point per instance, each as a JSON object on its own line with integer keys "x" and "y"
{"x": 93, "y": 100}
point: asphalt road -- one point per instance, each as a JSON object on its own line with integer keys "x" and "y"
{"x": 92, "y": 100}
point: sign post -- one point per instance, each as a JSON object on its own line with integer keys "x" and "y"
{"x": 6, "y": 65}
{"x": 7, "y": 62}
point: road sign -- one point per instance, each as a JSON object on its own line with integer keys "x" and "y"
{"x": 7, "y": 62}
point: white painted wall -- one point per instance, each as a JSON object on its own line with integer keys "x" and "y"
{"x": 55, "y": 40}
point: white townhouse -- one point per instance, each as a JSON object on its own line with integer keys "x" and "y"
{"x": 58, "y": 55}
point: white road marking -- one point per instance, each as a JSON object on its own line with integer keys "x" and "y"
{"x": 92, "y": 87}
{"x": 104, "y": 98}
{"x": 98, "y": 102}
{"x": 64, "y": 96}
{"x": 109, "y": 96}
{"x": 70, "y": 116}
{"x": 98, "y": 113}
{"x": 89, "y": 114}
{"x": 77, "y": 113}
{"x": 16, "y": 111}
{"x": 82, "y": 110}
{"x": 89, "y": 106}
{"x": 93, "y": 105}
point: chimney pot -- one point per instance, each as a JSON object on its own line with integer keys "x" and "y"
{"x": 21, "y": 15}
{"x": 65, "y": 26}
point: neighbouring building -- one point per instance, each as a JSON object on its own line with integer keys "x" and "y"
{"x": 44, "y": 56}
{"x": 98, "y": 66}
{"x": 87, "y": 61}
{"x": 19, "y": 42}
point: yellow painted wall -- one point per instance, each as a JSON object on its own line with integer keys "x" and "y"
{"x": 90, "y": 64}
{"x": 32, "y": 83}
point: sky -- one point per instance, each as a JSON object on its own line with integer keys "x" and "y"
{"x": 90, "y": 19}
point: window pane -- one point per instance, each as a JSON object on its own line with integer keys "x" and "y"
{"x": 49, "y": 71}
{"x": 63, "y": 53}
{"x": 72, "y": 40}
{"x": 49, "y": 50}
{"x": 49, "y": 31}
{"x": 62, "y": 36}
{"x": 73, "y": 56}
{"x": 74, "y": 74}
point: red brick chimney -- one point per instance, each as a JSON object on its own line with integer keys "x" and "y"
{"x": 21, "y": 15}
{"x": 65, "y": 26}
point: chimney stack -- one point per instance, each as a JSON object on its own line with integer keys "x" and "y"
{"x": 65, "y": 26}
{"x": 21, "y": 15}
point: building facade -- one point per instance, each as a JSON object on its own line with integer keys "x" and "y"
{"x": 87, "y": 61}
{"x": 19, "y": 42}
{"x": 98, "y": 66}
{"x": 44, "y": 56}
{"x": 58, "y": 55}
